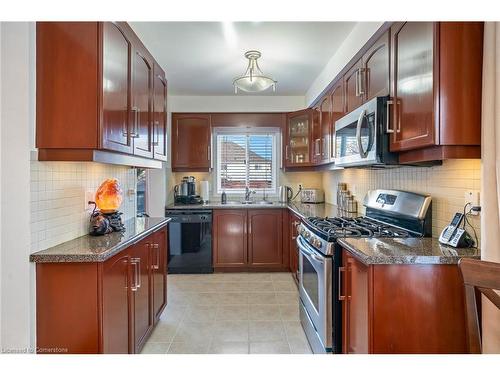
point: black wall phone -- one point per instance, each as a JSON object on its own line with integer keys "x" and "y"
{"x": 454, "y": 236}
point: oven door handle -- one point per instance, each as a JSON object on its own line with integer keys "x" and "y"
{"x": 309, "y": 253}
{"x": 361, "y": 117}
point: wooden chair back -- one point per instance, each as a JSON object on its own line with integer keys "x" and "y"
{"x": 480, "y": 277}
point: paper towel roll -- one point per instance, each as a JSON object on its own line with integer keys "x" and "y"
{"x": 204, "y": 190}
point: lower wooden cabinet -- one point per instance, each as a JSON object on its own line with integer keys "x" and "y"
{"x": 107, "y": 307}
{"x": 293, "y": 223}
{"x": 401, "y": 308}
{"x": 248, "y": 240}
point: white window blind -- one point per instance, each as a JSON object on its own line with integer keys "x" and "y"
{"x": 246, "y": 159}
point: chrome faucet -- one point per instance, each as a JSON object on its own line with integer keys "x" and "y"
{"x": 247, "y": 193}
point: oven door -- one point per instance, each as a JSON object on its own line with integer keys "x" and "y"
{"x": 315, "y": 289}
{"x": 356, "y": 137}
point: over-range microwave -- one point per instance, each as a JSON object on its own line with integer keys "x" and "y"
{"x": 362, "y": 136}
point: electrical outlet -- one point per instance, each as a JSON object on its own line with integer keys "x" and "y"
{"x": 89, "y": 196}
{"x": 300, "y": 185}
{"x": 472, "y": 197}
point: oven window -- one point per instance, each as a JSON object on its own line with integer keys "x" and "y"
{"x": 310, "y": 282}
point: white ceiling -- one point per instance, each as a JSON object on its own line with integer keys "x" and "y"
{"x": 203, "y": 58}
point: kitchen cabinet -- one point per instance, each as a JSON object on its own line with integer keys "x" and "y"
{"x": 294, "y": 221}
{"x": 325, "y": 121}
{"x": 229, "y": 238}
{"x": 338, "y": 111}
{"x": 98, "y": 77}
{"x": 316, "y": 135}
{"x": 142, "y": 106}
{"x": 191, "y": 142}
{"x": 142, "y": 314}
{"x": 401, "y": 308}
{"x": 158, "y": 257}
{"x": 159, "y": 114}
{"x": 102, "y": 307}
{"x": 298, "y": 139}
{"x": 375, "y": 79}
{"x": 352, "y": 87}
{"x": 249, "y": 240}
{"x": 265, "y": 228}
{"x": 432, "y": 119}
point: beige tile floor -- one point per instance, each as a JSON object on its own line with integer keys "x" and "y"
{"x": 232, "y": 313}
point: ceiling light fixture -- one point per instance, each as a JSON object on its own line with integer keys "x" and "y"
{"x": 253, "y": 80}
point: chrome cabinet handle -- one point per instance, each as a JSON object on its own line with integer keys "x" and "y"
{"x": 356, "y": 83}
{"x": 341, "y": 297}
{"x": 287, "y": 157}
{"x": 135, "y": 112}
{"x": 317, "y": 145}
{"x": 156, "y": 265}
{"x": 323, "y": 146}
{"x": 134, "y": 286}
{"x": 362, "y": 152}
{"x": 362, "y": 81}
{"x": 137, "y": 272}
{"x": 398, "y": 106}
{"x": 156, "y": 132}
{"x": 388, "y": 126}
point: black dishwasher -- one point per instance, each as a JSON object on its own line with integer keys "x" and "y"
{"x": 190, "y": 241}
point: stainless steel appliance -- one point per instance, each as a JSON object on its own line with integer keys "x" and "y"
{"x": 389, "y": 213}
{"x": 312, "y": 196}
{"x": 190, "y": 241}
{"x": 185, "y": 192}
{"x": 362, "y": 136}
{"x": 285, "y": 193}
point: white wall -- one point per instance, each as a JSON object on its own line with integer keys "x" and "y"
{"x": 351, "y": 45}
{"x": 236, "y": 103}
{"x": 17, "y": 117}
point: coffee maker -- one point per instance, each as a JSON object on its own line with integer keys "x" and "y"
{"x": 185, "y": 192}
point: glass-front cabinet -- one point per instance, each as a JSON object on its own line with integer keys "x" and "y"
{"x": 297, "y": 150}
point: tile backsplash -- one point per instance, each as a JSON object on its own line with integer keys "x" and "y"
{"x": 446, "y": 184}
{"x": 58, "y": 189}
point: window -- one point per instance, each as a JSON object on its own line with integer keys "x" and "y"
{"x": 246, "y": 158}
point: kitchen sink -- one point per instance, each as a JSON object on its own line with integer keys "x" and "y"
{"x": 260, "y": 203}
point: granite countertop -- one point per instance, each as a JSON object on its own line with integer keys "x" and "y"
{"x": 405, "y": 251}
{"x": 99, "y": 248}
{"x": 301, "y": 209}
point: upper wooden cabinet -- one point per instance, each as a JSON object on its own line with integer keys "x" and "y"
{"x": 325, "y": 121}
{"x": 338, "y": 111}
{"x": 159, "y": 114}
{"x": 352, "y": 87}
{"x": 95, "y": 95}
{"x": 375, "y": 70}
{"x": 432, "y": 66}
{"x": 191, "y": 142}
{"x": 299, "y": 138}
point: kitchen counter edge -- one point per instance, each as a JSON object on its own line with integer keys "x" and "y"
{"x": 52, "y": 255}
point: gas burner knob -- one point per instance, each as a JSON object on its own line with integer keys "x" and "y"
{"x": 307, "y": 235}
{"x": 316, "y": 242}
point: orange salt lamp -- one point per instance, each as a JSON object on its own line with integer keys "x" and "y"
{"x": 109, "y": 196}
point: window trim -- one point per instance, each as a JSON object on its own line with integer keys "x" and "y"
{"x": 276, "y": 156}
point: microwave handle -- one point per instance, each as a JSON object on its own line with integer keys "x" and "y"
{"x": 362, "y": 152}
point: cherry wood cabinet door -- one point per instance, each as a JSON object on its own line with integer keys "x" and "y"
{"x": 140, "y": 262}
{"x": 116, "y": 297}
{"x": 294, "y": 250}
{"x": 264, "y": 238}
{"x": 142, "y": 88}
{"x": 356, "y": 311}
{"x": 298, "y": 141}
{"x": 326, "y": 128}
{"x": 159, "y": 115}
{"x": 229, "y": 238}
{"x": 158, "y": 261}
{"x": 338, "y": 111}
{"x": 316, "y": 135}
{"x": 116, "y": 62}
{"x": 413, "y": 79}
{"x": 353, "y": 98}
{"x": 376, "y": 69}
{"x": 191, "y": 148}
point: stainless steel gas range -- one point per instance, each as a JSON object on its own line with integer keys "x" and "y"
{"x": 389, "y": 213}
